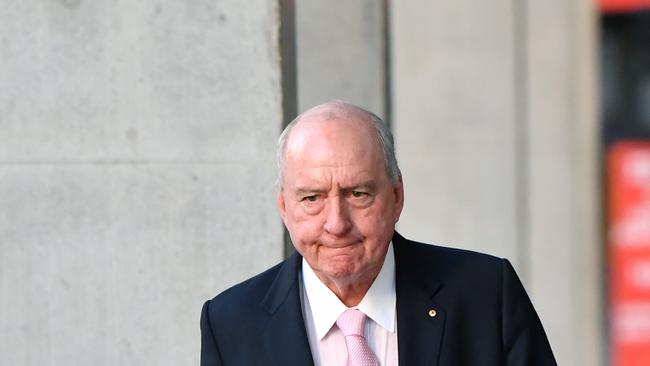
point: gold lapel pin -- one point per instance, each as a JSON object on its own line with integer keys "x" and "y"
{"x": 433, "y": 313}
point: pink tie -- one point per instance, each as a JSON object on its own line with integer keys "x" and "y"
{"x": 351, "y": 324}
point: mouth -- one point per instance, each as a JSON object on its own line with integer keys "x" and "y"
{"x": 340, "y": 245}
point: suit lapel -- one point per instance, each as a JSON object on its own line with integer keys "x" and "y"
{"x": 420, "y": 320}
{"x": 285, "y": 334}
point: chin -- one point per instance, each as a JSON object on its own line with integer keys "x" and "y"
{"x": 340, "y": 270}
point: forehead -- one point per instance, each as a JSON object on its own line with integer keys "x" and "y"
{"x": 334, "y": 143}
{"x": 333, "y": 136}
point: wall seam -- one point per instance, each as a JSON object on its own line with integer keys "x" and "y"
{"x": 289, "y": 82}
{"x": 522, "y": 142}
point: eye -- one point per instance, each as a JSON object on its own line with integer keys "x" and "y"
{"x": 359, "y": 194}
{"x": 359, "y": 198}
{"x": 312, "y": 204}
{"x": 311, "y": 198}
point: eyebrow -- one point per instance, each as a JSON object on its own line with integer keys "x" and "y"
{"x": 301, "y": 191}
{"x": 368, "y": 185}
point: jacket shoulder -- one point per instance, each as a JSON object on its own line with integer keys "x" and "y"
{"x": 447, "y": 261}
{"x": 234, "y": 320}
{"x": 246, "y": 294}
{"x": 464, "y": 276}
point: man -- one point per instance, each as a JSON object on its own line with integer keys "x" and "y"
{"x": 356, "y": 292}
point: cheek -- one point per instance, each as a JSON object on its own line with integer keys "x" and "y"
{"x": 375, "y": 224}
{"x": 371, "y": 217}
{"x": 305, "y": 227}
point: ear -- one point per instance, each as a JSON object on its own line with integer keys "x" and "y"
{"x": 282, "y": 206}
{"x": 398, "y": 193}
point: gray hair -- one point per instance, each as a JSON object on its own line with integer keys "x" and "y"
{"x": 337, "y": 110}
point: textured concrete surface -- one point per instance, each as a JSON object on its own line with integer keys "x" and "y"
{"x": 146, "y": 80}
{"x": 495, "y": 121}
{"x": 137, "y": 147}
{"x": 565, "y": 247}
{"x": 136, "y": 173}
{"x": 455, "y": 124}
{"x": 340, "y": 49}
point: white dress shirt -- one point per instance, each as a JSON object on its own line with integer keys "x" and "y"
{"x": 321, "y": 308}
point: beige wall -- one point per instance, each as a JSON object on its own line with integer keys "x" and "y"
{"x": 136, "y": 173}
{"x": 496, "y": 132}
{"x": 137, "y": 145}
{"x": 340, "y": 53}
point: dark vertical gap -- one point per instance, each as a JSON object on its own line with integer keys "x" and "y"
{"x": 289, "y": 82}
{"x": 387, "y": 64}
{"x": 624, "y": 65}
{"x": 609, "y": 84}
{"x": 522, "y": 138}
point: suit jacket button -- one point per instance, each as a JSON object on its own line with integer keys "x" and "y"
{"x": 432, "y": 313}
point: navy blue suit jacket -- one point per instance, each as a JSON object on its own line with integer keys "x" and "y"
{"x": 483, "y": 316}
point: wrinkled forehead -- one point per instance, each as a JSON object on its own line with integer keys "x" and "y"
{"x": 332, "y": 136}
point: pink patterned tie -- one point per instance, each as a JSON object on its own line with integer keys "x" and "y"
{"x": 351, "y": 324}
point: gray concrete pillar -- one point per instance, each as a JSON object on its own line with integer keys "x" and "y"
{"x": 496, "y": 133}
{"x": 136, "y": 173}
{"x": 563, "y": 260}
{"x": 455, "y": 122}
{"x": 341, "y": 53}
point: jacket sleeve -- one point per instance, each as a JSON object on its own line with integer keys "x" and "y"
{"x": 524, "y": 339}
{"x": 209, "y": 351}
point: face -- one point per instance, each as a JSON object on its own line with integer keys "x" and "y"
{"x": 337, "y": 201}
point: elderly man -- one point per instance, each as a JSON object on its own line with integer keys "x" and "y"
{"x": 356, "y": 292}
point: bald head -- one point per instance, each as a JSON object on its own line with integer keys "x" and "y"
{"x": 335, "y": 110}
{"x": 349, "y": 113}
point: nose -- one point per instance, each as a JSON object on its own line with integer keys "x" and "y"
{"x": 337, "y": 221}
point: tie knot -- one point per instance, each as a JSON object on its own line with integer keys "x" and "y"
{"x": 351, "y": 322}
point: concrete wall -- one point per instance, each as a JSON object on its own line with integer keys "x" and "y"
{"x": 496, "y": 132}
{"x": 136, "y": 173}
{"x": 137, "y": 144}
{"x": 563, "y": 263}
{"x": 341, "y": 54}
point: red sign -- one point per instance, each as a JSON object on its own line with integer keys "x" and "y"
{"x": 629, "y": 252}
{"x": 620, "y": 6}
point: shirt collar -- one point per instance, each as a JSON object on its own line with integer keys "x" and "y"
{"x": 378, "y": 303}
